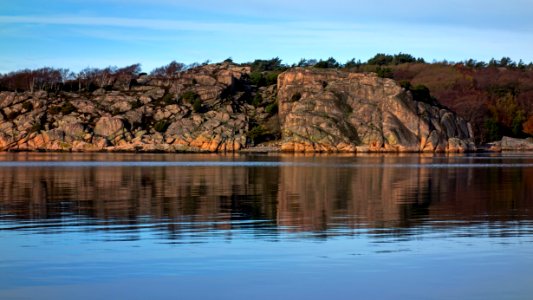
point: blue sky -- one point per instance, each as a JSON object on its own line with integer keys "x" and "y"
{"x": 97, "y": 33}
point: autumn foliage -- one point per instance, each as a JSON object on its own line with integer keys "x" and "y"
{"x": 528, "y": 126}
{"x": 496, "y": 100}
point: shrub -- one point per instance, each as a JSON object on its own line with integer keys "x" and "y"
{"x": 54, "y": 110}
{"x": 271, "y": 108}
{"x": 257, "y": 100}
{"x": 256, "y": 78}
{"x": 297, "y": 96}
{"x": 516, "y": 123}
{"x": 493, "y": 130}
{"x": 136, "y": 104}
{"x": 161, "y": 126}
{"x": 421, "y": 93}
{"x": 405, "y": 84}
{"x": 168, "y": 99}
{"x": 271, "y": 78}
{"x": 264, "y": 78}
{"x": 190, "y": 97}
{"x": 197, "y": 106}
{"x": 67, "y": 108}
{"x": 13, "y": 115}
{"x": 36, "y": 127}
{"x": 385, "y": 72}
{"x": 256, "y": 134}
{"x": 27, "y": 106}
{"x": 260, "y": 133}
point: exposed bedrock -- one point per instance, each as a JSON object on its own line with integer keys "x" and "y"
{"x": 329, "y": 110}
{"x": 216, "y": 108}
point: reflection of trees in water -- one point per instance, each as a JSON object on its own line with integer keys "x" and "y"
{"x": 292, "y": 197}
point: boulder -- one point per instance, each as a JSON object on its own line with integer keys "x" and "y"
{"x": 109, "y": 127}
{"x": 512, "y": 144}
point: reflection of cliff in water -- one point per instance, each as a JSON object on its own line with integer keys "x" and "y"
{"x": 392, "y": 196}
{"x": 295, "y": 197}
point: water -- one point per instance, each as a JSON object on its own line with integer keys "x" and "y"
{"x": 159, "y": 226}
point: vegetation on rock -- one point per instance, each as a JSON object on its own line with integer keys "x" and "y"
{"x": 496, "y": 97}
{"x": 161, "y": 126}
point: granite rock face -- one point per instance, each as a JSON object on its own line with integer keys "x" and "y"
{"x": 149, "y": 115}
{"x": 513, "y": 144}
{"x": 334, "y": 111}
{"x": 216, "y": 108}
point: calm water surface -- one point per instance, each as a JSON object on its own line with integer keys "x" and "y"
{"x": 131, "y": 226}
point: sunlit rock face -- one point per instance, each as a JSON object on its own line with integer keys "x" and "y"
{"x": 216, "y": 108}
{"x": 330, "y": 110}
{"x": 203, "y": 109}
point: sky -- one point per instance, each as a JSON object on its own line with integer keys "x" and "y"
{"x": 76, "y": 34}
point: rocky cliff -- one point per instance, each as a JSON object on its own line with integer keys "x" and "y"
{"x": 202, "y": 109}
{"x": 329, "y": 110}
{"x": 215, "y": 108}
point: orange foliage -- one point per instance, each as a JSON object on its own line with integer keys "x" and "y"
{"x": 527, "y": 127}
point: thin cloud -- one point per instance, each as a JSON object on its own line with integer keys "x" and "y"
{"x": 154, "y": 24}
{"x": 272, "y": 29}
{"x": 297, "y": 32}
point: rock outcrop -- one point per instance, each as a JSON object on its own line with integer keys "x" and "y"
{"x": 329, "y": 110}
{"x": 511, "y": 144}
{"x": 201, "y": 109}
{"x": 215, "y": 108}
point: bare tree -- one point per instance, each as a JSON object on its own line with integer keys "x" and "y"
{"x": 168, "y": 71}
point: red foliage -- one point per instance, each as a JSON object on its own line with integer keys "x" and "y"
{"x": 478, "y": 94}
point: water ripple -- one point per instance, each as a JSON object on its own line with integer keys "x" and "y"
{"x": 251, "y": 164}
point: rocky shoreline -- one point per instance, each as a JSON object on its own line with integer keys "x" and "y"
{"x": 216, "y": 108}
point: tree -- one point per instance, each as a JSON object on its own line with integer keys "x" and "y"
{"x": 492, "y": 129}
{"x": 521, "y": 65}
{"x": 385, "y": 72}
{"x": 352, "y": 64}
{"x": 507, "y": 62}
{"x": 421, "y": 93}
{"x": 134, "y": 69}
{"x": 381, "y": 59}
{"x": 46, "y": 78}
{"x": 402, "y": 58}
{"x": 306, "y": 63}
{"x": 88, "y": 78}
{"x": 330, "y": 63}
{"x": 261, "y": 65}
{"x": 169, "y": 70}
